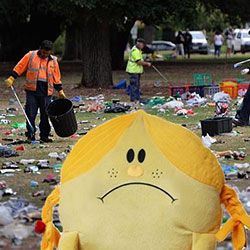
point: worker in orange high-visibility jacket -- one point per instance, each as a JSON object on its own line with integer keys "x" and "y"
{"x": 42, "y": 75}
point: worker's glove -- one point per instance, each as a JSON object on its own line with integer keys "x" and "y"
{"x": 61, "y": 94}
{"x": 9, "y": 81}
{"x": 244, "y": 71}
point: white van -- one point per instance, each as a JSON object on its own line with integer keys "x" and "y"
{"x": 241, "y": 41}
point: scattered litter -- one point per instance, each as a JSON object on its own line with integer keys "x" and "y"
{"x": 57, "y": 166}
{"x": 76, "y": 99}
{"x": 174, "y": 104}
{"x": 117, "y": 108}
{"x": 208, "y": 140}
{"x": 18, "y": 125}
{"x": 195, "y": 100}
{"x": 20, "y": 148}
{"x": 17, "y": 231}
{"x": 95, "y": 98}
{"x": 221, "y": 97}
{"x": 5, "y": 122}
{"x": 6, "y": 151}
{"x": 84, "y": 122}
{"x": 27, "y": 161}
{"x": 241, "y": 165}
{"x": 5, "y": 216}
{"x": 33, "y": 183}
{"x": 6, "y": 171}
{"x": 53, "y": 155}
{"x": 156, "y": 100}
{"x": 38, "y": 193}
{"x": 157, "y": 84}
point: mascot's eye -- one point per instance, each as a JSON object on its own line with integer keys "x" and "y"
{"x": 130, "y": 155}
{"x": 141, "y": 155}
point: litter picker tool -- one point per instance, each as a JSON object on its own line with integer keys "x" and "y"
{"x": 31, "y": 127}
{"x": 236, "y": 65}
{"x": 159, "y": 73}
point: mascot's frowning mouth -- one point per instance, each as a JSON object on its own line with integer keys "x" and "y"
{"x": 136, "y": 183}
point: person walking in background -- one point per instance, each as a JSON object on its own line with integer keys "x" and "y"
{"x": 179, "y": 41}
{"x": 229, "y": 35}
{"x": 187, "y": 43}
{"x": 42, "y": 74}
{"x": 218, "y": 41}
{"x": 135, "y": 69}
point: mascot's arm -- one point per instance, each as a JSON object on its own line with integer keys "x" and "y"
{"x": 203, "y": 241}
{"x": 69, "y": 241}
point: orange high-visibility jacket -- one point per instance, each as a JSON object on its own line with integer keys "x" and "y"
{"x": 38, "y": 69}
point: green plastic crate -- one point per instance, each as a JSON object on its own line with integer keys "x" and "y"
{"x": 202, "y": 79}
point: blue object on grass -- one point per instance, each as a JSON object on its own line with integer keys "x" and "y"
{"x": 228, "y": 169}
{"x": 76, "y": 99}
{"x": 121, "y": 84}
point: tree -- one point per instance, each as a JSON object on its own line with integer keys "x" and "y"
{"x": 73, "y": 42}
{"x": 24, "y": 24}
{"x": 103, "y": 23}
{"x": 237, "y": 11}
{"x": 118, "y": 41}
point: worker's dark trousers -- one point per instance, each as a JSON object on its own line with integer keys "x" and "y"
{"x": 243, "y": 113}
{"x": 187, "y": 49}
{"x": 134, "y": 87}
{"x": 31, "y": 107}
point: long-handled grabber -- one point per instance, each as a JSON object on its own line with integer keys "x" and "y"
{"x": 31, "y": 127}
{"x": 159, "y": 73}
{"x": 236, "y": 65}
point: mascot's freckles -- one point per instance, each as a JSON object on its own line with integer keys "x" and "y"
{"x": 139, "y": 182}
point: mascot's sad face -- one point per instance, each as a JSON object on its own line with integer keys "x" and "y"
{"x": 134, "y": 198}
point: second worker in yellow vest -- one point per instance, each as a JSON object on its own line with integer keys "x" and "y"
{"x": 135, "y": 69}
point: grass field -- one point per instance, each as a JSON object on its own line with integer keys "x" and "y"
{"x": 179, "y": 72}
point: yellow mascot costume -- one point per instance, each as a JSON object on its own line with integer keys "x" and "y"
{"x": 138, "y": 182}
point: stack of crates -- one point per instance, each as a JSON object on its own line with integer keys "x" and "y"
{"x": 204, "y": 79}
{"x": 211, "y": 90}
{"x": 178, "y": 90}
{"x": 229, "y": 88}
{"x": 197, "y": 89}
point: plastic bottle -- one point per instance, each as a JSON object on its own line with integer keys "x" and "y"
{"x": 33, "y": 183}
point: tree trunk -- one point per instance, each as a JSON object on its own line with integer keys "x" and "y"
{"x": 149, "y": 31}
{"x": 118, "y": 42}
{"x": 72, "y": 43}
{"x": 96, "y": 58}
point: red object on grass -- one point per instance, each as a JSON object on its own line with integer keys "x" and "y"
{"x": 20, "y": 148}
{"x": 190, "y": 112}
{"x": 49, "y": 176}
{"x": 40, "y": 227}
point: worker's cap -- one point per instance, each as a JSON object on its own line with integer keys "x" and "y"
{"x": 141, "y": 40}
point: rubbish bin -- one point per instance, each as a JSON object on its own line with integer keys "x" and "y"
{"x": 62, "y": 116}
{"x": 216, "y": 126}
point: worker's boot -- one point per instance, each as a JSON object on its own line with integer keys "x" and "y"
{"x": 45, "y": 140}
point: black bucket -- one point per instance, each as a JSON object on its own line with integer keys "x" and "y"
{"x": 62, "y": 116}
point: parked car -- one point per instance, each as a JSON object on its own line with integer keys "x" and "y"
{"x": 241, "y": 41}
{"x": 199, "y": 42}
{"x": 163, "y": 45}
{"x": 158, "y": 46}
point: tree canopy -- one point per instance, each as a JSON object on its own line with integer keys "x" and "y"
{"x": 102, "y": 26}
